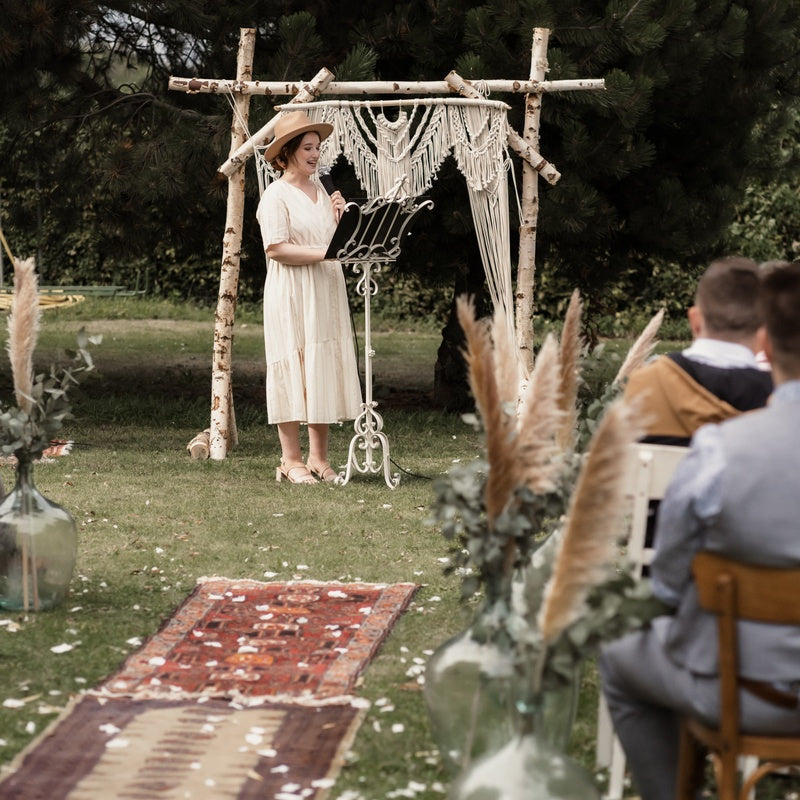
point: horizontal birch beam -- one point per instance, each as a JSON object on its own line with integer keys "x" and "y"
{"x": 515, "y": 141}
{"x": 306, "y": 93}
{"x": 275, "y": 89}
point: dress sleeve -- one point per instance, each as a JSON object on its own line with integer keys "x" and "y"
{"x": 273, "y": 217}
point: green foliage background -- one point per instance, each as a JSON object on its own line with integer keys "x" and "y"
{"x": 692, "y": 150}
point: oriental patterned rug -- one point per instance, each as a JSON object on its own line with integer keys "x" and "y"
{"x": 130, "y": 749}
{"x": 240, "y": 639}
{"x": 242, "y": 693}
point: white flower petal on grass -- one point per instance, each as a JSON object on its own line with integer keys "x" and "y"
{"x": 323, "y": 783}
{"x": 398, "y": 727}
{"x": 302, "y": 566}
{"x": 13, "y": 702}
{"x": 61, "y": 648}
{"x": 134, "y": 642}
{"x": 30, "y": 728}
{"x": 270, "y": 574}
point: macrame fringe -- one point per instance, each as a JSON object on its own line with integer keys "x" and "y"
{"x": 413, "y": 147}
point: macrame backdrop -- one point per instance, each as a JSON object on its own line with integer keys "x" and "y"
{"x": 403, "y": 156}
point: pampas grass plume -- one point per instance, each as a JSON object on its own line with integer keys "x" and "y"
{"x": 642, "y": 348}
{"x": 23, "y": 330}
{"x": 593, "y": 523}
{"x": 570, "y": 356}
{"x": 539, "y": 418}
{"x": 497, "y": 422}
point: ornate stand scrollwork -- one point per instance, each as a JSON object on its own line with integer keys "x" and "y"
{"x": 370, "y": 236}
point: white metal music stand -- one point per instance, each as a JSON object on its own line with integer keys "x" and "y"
{"x": 367, "y": 238}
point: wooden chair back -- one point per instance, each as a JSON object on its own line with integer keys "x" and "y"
{"x": 733, "y": 591}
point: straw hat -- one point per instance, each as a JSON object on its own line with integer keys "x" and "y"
{"x": 294, "y": 124}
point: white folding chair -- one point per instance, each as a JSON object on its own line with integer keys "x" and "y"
{"x": 650, "y": 469}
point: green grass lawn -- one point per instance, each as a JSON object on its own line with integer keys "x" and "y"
{"x": 152, "y": 521}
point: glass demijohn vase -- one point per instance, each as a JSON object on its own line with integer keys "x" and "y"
{"x": 38, "y": 545}
{"x": 469, "y": 694}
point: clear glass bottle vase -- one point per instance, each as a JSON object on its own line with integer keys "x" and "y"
{"x": 526, "y": 768}
{"x": 38, "y": 546}
{"x": 469, "y": 694}
{"x": 474, "y": 696}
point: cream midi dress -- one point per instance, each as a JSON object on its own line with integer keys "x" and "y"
{"x": 312, "y": 375}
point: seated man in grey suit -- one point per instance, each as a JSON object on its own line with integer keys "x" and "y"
{"x": 736, "y": 493}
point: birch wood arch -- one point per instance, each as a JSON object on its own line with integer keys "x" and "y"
{"x": 480, "y": 150}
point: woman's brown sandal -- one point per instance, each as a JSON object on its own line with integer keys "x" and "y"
{"x": 294, "y": 473}
{"x": 324, "y": 471}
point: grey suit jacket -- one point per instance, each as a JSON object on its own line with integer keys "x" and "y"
{"x": 758, "y": 522}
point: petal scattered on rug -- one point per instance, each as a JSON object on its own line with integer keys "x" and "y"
{"x": 246, "y": 638}
{"x": 125, "y": 748}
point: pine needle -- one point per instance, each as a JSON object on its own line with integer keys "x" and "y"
{"x": 570, "y": 366}
{"x": 500, "y": 450}
{"x": 539, "y": 419}
{"x": 23, "y": 330}
{"x": 593, "y": 524}
{"x": 642, "y": 348}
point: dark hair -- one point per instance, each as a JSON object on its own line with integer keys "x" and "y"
{"x": 727, "y": 296}
{"x": 779, "y": 302}
{"x": 281, "y": 161}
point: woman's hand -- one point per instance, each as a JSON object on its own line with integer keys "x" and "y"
{"x": 338, "y": 202}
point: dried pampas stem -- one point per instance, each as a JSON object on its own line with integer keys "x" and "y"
{"x": 593, "y": 523}
{"x": 570, "y": 365}
{"x": 500, "y": 449}
{"x": 506, "y": 358}
{"x": 642, "y": 348}
{"x": 539, "y": 418}
{"x": 23, "y": 330}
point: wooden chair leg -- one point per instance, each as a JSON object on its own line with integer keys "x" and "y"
{"x": 728, "y": 781}
{"x": 691, "y": 765}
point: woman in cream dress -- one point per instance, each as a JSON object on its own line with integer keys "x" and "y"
{"x": 312, "y": 375}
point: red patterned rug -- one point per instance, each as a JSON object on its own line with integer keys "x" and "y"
{"x": 247, "y": 638}
{"x": 240, "y": 695}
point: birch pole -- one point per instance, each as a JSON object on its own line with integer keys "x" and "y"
{"x": 223, "y": 423}
{"x": 529, "y": 202}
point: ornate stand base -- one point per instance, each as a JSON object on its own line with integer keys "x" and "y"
{"x": 369, "y": 438}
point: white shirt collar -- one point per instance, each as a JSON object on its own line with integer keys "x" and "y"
{"x": 717, "y": 353}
